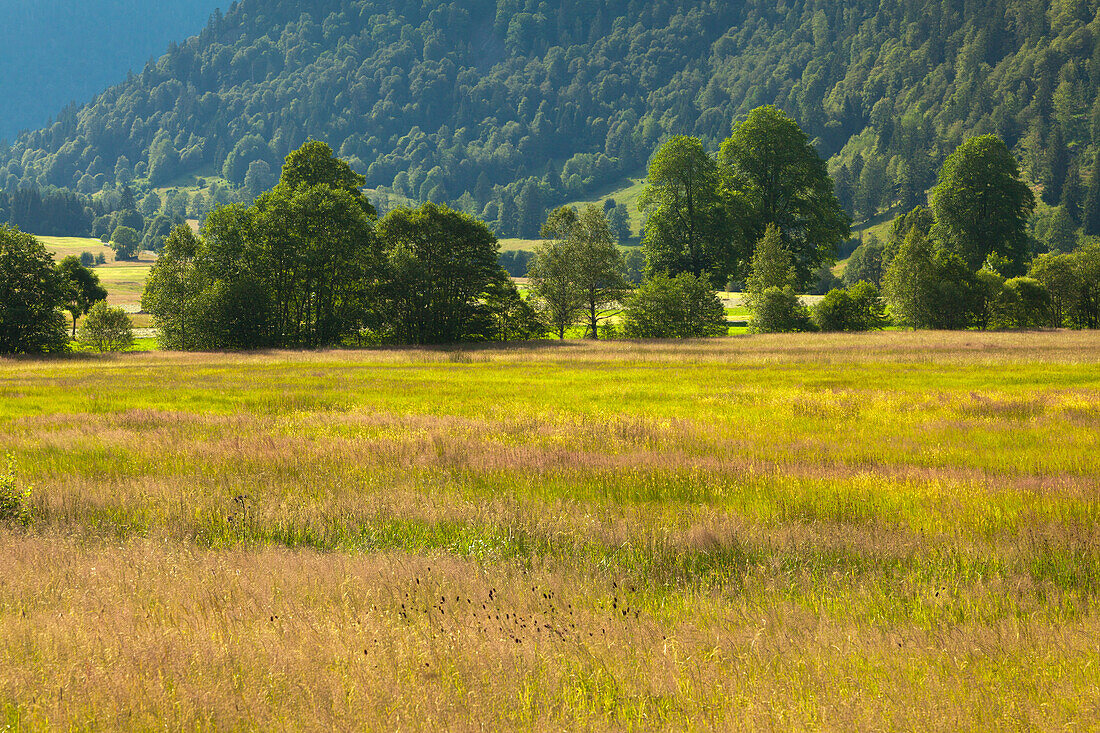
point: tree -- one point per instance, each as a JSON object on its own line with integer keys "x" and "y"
{"x": 314, "y": 164}
{"x": 31, "y": 296}
{"x": 258, "y": 179}
{"x": 125, "y": 242}
{"x": 1057, "y": 167}
{"x": 177, "y": 291}
{"x": 301, "y": 266}
{"x": 775, "y": 178}
{"x": 599, "y": 266}
{"x": 1061, "y": 277}
{"x": 688, "y": 225}
{"x": 866, "y": 263}
{"x": 81, "y": 287}
{"x": 1023, "y": 303}
{"x": 619, "y": 219}
{"x": 927, "y": 286}
{"x": 1090, "y": 214}
{"x": 553, "y": 272}
{"x": 106, "y": 329}
{"x": 981, "y": 205}
{"x": 684, "y": 306}
{"x": 442, "y": 262}
{"x": 770, "y": 288}
{"x": 508, "y": 317}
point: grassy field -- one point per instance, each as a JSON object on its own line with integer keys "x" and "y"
{"x": 124, "y": 281}
{"x": 843, "y": 532}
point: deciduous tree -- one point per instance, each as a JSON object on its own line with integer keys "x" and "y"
{"x": 980, "y": 204}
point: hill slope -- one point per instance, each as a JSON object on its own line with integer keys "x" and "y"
{"x": 504, "y": 107}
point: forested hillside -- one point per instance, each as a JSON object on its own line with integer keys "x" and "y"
{"x": 506, "y": 107}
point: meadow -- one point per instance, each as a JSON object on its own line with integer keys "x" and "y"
{"x": 845, "y": 532}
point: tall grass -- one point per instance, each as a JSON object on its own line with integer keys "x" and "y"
{"x": 855, "y": 532}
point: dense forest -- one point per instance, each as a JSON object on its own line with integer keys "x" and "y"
{"x": 504, "y": 108}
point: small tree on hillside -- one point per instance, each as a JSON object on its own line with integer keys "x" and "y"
{"x": 125, "y": 242}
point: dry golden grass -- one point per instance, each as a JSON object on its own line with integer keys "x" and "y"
{"x": 818, "y": 532}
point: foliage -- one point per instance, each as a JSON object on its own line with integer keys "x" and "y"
{"x": 927, "y": 286}
{"x": 858, "y": 308}
{"x": 1022, "y": 303}
{"x": 106, "y": 329}
{"x": 301, "y": 266}
{"x": 599, "y": 267}
{"x": 508, "y": 316}
{"x": 555, "y": 281}
{"x": 769, "y": 291}
{"x": 80, "y": 285}
{"x": 688, "y": 223}
{"x": 771, "y": 265}
{"x": 778, "y": 310}
{"x": 31, "y": 296}
{"x": 1072, "y": 282}
{"x": 684, "y": 306}
{"x": 776, "y": 178}
{"x": 578, "y": 271}
{"x": 125, "y": 242}
{"x": 441, "y": 262}
{"x": 980, "y": 204}
{"x": 866, "y": 264}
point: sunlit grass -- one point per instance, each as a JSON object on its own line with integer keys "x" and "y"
{"x": 849, "y": 532}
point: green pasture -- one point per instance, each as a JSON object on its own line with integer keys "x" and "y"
{"x": 656, "y": 525}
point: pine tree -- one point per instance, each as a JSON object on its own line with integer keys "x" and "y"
{"x": 1057, "y": 165}
{"x": 1091, "y": 214}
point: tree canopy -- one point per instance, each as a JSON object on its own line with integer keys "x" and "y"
{"x": 31, "y": 296}
{"x": 980, "y": 204}
{"x": 774, "y": 177}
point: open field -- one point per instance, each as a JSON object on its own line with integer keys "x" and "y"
{"x": 894, "y": 530}
{"x": 124, "y": 281}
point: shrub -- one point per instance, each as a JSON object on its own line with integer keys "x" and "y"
{"x": 106, "y": 329}
{"x": 14, "y": 504}
{"x": 674, "y": 307}
{"x": 859, "y": 308}
{"x": 778, "y": 310}
{"x": 87, "y": 259}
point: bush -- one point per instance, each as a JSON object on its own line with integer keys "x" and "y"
{"x": 87, "y": 259}
{"x": 106, "y": 329}
{"x": 14, "y": 504}
{"x": 674, "y": 307}
{"x": 778, "y": 310}
{"x": 859, "y": 308}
